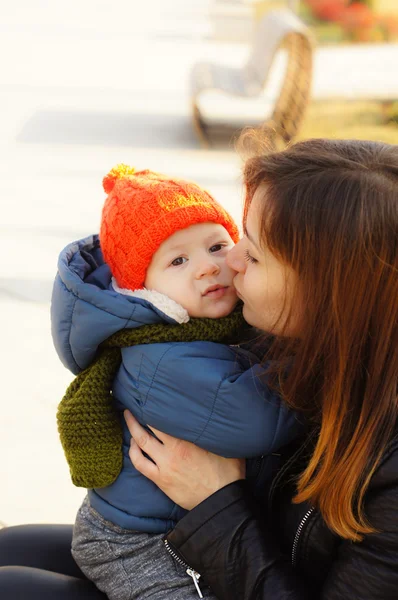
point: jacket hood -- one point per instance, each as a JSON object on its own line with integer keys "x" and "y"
{"x": 86, "y": 309}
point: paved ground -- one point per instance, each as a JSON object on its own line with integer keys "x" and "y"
{"x": 86, "y": 85}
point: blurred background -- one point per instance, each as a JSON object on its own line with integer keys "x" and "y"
{"x": 159, "y": 84}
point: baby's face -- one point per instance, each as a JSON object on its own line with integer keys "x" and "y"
{"x": 190, "y": 268}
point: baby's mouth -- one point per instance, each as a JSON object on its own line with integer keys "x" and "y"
{"x": 215, "y": 291}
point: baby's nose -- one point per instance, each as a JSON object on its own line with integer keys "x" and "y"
{"x": 207, "y": 268}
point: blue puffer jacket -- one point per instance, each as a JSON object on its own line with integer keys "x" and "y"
{"x": 204, "y": 392}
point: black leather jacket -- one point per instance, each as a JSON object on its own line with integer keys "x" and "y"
{"x": 286, "y": 552}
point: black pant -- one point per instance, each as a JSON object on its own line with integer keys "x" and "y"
{"x": 36, "y": 564}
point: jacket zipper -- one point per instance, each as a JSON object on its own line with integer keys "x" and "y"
{"x": 191, "y": 572}
{"x": 298, "y": 533}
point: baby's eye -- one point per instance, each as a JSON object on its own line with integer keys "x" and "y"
{"x": 178, "y": 261}
{"x": 216, "y": 247}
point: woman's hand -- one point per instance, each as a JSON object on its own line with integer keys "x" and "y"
{"x": 184, "y": 472}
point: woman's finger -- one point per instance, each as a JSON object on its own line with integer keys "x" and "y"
{"x": 140, "y": 435}
{"x": 141, "y": 463}
{"x": 165, "y": 438}
{"x": 142, "y": 438}
{"x": 130, "y": 420}
{"x": 136, "y": 429}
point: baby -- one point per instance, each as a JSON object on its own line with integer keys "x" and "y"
{"x": 160, "y": 260}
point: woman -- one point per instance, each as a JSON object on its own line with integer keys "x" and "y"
{"x": 317, "y": 268}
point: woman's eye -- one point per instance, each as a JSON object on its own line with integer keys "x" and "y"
{"x": 178, "y": 261}
{"x": 249, "y": 257}
{"x": 216, "y": 247}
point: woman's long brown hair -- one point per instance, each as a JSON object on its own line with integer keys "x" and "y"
{"x": 330, "y": 210}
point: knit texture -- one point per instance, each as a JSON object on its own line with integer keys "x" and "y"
{"x": 142, "y": 210}
{"x": 89, "y": 425}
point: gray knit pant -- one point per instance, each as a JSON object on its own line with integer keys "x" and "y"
{"x": 129, "y": 565}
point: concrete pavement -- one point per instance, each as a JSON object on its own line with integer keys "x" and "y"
{"x": 83, "y": 87}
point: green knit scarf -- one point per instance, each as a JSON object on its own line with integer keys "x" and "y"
{"x": 88, "y": 424}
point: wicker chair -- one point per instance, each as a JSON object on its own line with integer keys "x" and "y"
{"x": 278, "y": 29}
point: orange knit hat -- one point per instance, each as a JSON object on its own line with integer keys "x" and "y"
{"x": 142, "y": 210}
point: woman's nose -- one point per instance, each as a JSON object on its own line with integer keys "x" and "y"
{"x": 236, "y": 259}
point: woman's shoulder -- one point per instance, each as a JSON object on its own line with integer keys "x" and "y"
{"x": 381, "y": 500}
{"x": 386, "y": 474}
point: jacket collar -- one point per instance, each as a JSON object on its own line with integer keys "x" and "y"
{"x": 161, "y": 302}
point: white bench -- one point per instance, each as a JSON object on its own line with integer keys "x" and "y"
{"x": 278, "y": 29}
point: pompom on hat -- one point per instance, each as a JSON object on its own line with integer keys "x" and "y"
{"x": 142, "y": 210}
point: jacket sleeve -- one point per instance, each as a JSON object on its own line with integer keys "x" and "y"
{"x": 213, "y": 402}
{"x": 225, "y": 540}
{"x": 369, "y": 570}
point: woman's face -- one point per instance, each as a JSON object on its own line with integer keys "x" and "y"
{"x": 264, "y": 283}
